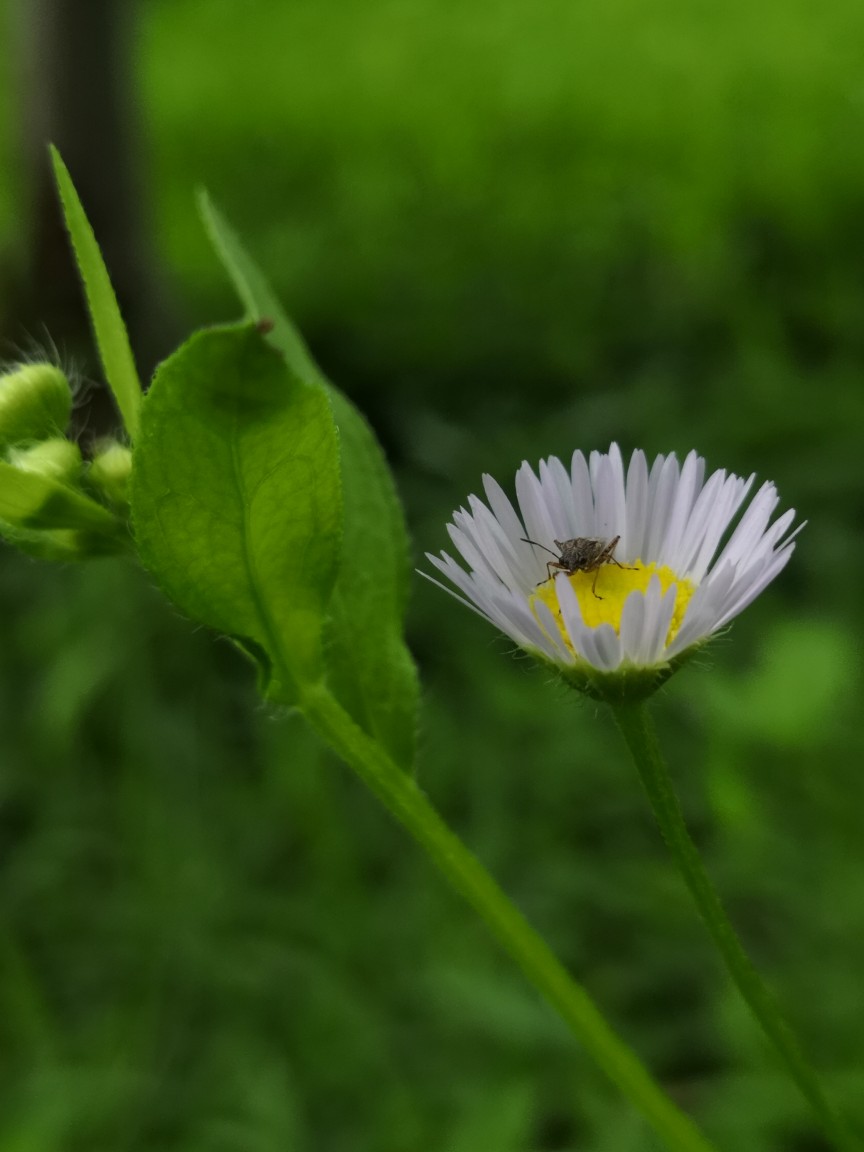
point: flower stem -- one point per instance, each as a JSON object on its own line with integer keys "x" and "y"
{"x": 636, "y": 726}
{"x": 400, "y": 794}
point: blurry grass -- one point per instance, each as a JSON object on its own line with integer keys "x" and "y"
{"x": 567, "y": 188}
{"x": 508, "y": 230}
{"x": 213, "y": 939}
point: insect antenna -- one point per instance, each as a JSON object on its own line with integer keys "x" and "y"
{"x": 536, "y": 545}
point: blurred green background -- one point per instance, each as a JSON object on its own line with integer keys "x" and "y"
{"x": 507, "y": 230}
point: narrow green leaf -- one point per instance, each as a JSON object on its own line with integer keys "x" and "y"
{"x": 368, "y": 664}
{"x": 111, "y": 337}
{"x": 236, "y": 500}
{"x": 256, "y": 295}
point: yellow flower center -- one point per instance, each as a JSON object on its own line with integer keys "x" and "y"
{"x": 613, "y": 586}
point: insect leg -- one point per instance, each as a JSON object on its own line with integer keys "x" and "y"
{"x": 551, "y": 564}
{"x": 608, "y": 557}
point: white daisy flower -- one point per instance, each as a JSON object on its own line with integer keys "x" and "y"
{"x": 616, "y": 577}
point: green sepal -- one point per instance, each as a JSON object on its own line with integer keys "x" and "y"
{"x": 65, "y": 545}
{"x": 628, "y": 684}
{"x": 31, "y": 500}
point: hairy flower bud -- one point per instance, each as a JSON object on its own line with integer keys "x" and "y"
{"x": 109, "y": 472}
{"x": 35, "y": 403}
{"x": 57, "y": 459}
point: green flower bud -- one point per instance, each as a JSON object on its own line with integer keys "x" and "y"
{"x": 35, "y": 403}
{"x": 64, "y": 544}
{"x": 38, "y": 490}
{"x": 109, "y": 473}
{"x": 57, "y": 459}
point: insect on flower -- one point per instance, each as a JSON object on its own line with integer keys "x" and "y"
{"x": 581, "y": 554}
{"x": 690, "y": 561}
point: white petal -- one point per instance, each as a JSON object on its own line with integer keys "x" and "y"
{"x": 704, "y": 610}
{"x": 610, "y": 509}
{"x": 657, "y": 629}
{"x": 449, "y": 591}
{"x": 571, "y": 613}
{"x": 717, "y": 520}
{"x": 502, "y": 508}
{"x": 560, "y": 513}
{"x": 637, "y": 509}
{"x": 751, "y": 525}
{"x": 585, "y": 642}
{"x": 713, "y": 498}
{"x": 462, "y": 580}
{"x": 468, "y": 549}
{"x": 581, "y": 636}
{"x": 561, "y": 479}
{"x": 550, "y": 626}
{"x": 533, "y": 507}
{"x": 689, "y": 484}
{"x": 632, "y": 626}
{"x": 662, "y": 487}
{"x": 747, "y": 594}
{"x": 520, "y": 623}
{"x": 765, "y": 548}
{"x": 513, "y": 560}
{"x": 583, "y": 496}
{"x": 506, "y": 610}
{"x": 608, "y": 647}
{"x": 646, "y": 646}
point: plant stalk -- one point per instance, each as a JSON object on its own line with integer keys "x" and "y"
{"x": 403, "y": 798}
{"x": 639, "y": 733}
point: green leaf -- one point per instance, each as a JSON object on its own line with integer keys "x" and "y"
{"x": 111, "y": 338}
{"x": 369, "y": 667}
{"x": 236, "y": 502}
{"x": 371, "y": 671}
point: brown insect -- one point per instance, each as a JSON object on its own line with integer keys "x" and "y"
{"x": 582, "y": 554}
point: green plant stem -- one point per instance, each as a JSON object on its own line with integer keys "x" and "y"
{"x": 638, "y": 731}
{"x": 400, "y": 794}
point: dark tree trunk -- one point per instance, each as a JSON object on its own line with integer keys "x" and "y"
{"x": 76, "y": 85}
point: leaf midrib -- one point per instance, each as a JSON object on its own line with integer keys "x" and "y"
{"x": 268, "y": 626}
